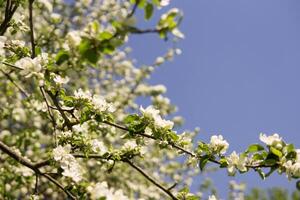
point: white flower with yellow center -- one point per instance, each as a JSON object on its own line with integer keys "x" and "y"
{"x": 236, "y": 161}
{"x": 218, "y": 144}
{"x": 273, "y": 140}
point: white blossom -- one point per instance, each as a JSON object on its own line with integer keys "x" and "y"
{"x": 73, "y": 38}
{"x": 98, "y": 146}
{"x": 129, "y": 145}
{"x": 59, "y": 152}
{"x": 82, "y": 94}
{"x": 68, "y": 162}
{"x": 30, "y": 66}
{"x": 101, "y": 190}
{"x": 218, "y": 144}
{"x": 164, "y": 3}
{"x": 298, "y": 155}
{"x": 212, "y": 197}
{"x": 292, "y": 169}
{"x": 159, "y": 60}
{"x": 273, "y": 140}
{"x": 71, "y": 167}
{"x": 178, "y": 33}
{"x": 236, "y": 161}
{"x": 151, "y": 112}
{"x": 60, "y": 80}
{"x": 101, "y": 104}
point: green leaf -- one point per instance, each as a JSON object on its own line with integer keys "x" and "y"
{"x": 203, "y": 161}
{"x": 91, "y": 55}
{"x": 270, "y": 162}
{"x": 131, "y": 119}
{"x": 105, "y": 35}
{"x": 291, "y": 155}
{"x": 258, "y": 157}
{"x": 61, "y": 57}
{"x": 148, "y": 11}
{"x": 142, "y": 3}
{"x": 88, "y": 52}
{"x": 298, "y": 185}
{"x": 288, "y": 148}
{"x": 273, "y": 169}
{"x": 254, "y": 148}
{"x": 261, "y": 174}
{"x": 276, "y": 152}
{"x": 223, "y": 163}
{"x": 193, "y": 197}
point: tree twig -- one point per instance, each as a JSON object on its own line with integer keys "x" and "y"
{"x": 15, "y": 84}
{"x": 7, "y": 150}
{"x": 148, "y": 177}
{"x": 30, "y": 9}
{"x": 10, "y": 9}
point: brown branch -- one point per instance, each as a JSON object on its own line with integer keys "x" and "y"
{"x": 7, "y": 150}
{"x": 50, "y": 113}
{"x": 11, "y": 65}
{"x": 30, "y": 9}
{"x": 15, "y": 84}
{"x": 10, "y": 9}
{"x": 148, "y": 177}
{"x": 61, "y": 111}
{"x": 133, "y": 9}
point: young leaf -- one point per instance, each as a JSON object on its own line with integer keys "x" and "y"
{"x": 148, "y": 11}
{"x": 254, "y": 148}
{"x": 203, "y": 161}
{"x": 276, "y": 152}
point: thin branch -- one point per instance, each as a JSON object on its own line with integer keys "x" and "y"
{"x": 15, "y": 84}
{"x": 135, "y": 30}
{"x": 4, "y": 148}
{"x": 30, "y": 9}
{"x": 10, "y": 9}
{"x": 151, "y": 137}
{"x": 54, "y": 181}
{"x": 61, "y": 111}
{"x": 133, "y": 9}
{"x": 148, "y": 177}
{"x": 36, "y": 183}
{"x": 11, "y": 65}
{"x": 50, "y": 114}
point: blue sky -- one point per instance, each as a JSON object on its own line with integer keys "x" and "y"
{"x": 238, "y": 75}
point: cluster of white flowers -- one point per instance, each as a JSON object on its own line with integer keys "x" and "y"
{"x": 146, "y": 89}
{"x": 98, "y": 147}
{"x": 61, "y": 80}
{"x": 273, "y": 140}
{"x": 293, "y": 169}
{"x": 32, "y": 66}
{"x": 101, "y": 190}
{"x": 236, "y": 161}
{"x": 130, "y": 145}
{"x": 101, "y": 104}
{"x": 98, "y": 101}
{"x": 152, "y": 113}
{"x": 67, "y": 162}
{"x": 73, "y": 38}
{"x": 218, "y": 144}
